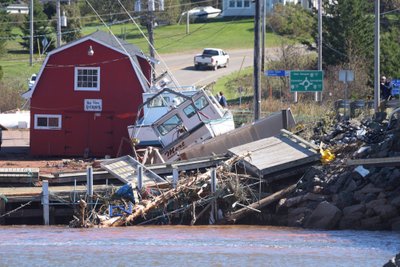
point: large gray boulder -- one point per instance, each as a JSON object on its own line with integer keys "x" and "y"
{"x": 351, "y": 221}
{"x": 395, "y": 224}
{"x": 296, "y": 216}
{"x": 353, "y": 209}
{"x": 325, "y": 216}
{"x": 394, "y": 262}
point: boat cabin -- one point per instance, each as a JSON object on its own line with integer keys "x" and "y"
{"x": 182, "y": 119}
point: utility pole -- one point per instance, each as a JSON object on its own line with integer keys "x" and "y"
{"x": 377, "y": 94}
{"x": 318, "y": 95}
{"x": 187, "y": 22}
{"x": 31, "y": 37}
{"x": 257, "y": 61}
{"x": 264, "y": 14}
{"x": 58, "y": 7}
{"x": 150, "y": 27}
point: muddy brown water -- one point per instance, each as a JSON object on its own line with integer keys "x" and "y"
{"x": 193, "y": 246}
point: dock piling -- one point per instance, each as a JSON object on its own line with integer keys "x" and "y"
{"x": 45, "y": 202}
{"x": 89, "y": 187}
{"x": 140, "y": 177}
{"x": 214, "y": 208}
{"x": 2, "y": 210}
{"x": 175, "y": 177}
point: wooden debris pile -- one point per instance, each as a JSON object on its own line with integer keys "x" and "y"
{"x": 213, "y": 197}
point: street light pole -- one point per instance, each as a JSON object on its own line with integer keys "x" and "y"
{"x": 377, "y": 56}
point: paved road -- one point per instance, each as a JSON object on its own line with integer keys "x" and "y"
{"x": 181, "y": 66}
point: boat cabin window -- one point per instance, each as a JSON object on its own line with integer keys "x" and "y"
{"x": 201, "y": 103}
{"x": 189, "y": 111}
{"x": 169, "y": 125}
{"x": 159, "y": 101}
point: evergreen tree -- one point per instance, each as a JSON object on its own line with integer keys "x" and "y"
{"x": 73, "y": 29}
{"x": 390, "y": 51}
{"x": 5, "y": 30}
{"x": 42, "y": 31}
{"x": 348, "y": 31}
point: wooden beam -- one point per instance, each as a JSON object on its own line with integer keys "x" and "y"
{"x": 234, "y": 216}
{"x": 392, "y": 161}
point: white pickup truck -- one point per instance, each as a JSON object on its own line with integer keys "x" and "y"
{"x": 211, "y": 57}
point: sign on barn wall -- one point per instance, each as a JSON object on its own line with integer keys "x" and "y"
{"x": 93, "y": 105}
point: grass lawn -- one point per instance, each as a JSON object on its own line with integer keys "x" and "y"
{"x": 168, "y": 39}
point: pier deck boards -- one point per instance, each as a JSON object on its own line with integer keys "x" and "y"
{"x": 276, "y": 154}
{"x": 19, "y": 175}
{"x": 16, "y": 194}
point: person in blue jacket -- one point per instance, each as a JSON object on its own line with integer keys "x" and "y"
{"x": 222, "y": 100}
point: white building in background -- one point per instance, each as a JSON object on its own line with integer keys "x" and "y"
{"x": 17, "y": 9}
{"x": 18, "y": 119}
{"x": 245, "y": 8}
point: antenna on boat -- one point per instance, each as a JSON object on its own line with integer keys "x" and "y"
{"x": 135, "y": 66}
{"x": 174, "y": 81}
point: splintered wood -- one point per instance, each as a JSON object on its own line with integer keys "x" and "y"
{"x": 194, "y": 200}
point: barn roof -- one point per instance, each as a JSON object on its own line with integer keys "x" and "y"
{"x": 105, "y": 39}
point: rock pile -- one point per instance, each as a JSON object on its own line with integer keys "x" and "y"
{"x": 343, "y": 196}
{"x": 394, "y": 262}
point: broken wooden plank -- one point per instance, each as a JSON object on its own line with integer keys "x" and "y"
{"x": 235, "y": 216}
{"x": 126, "y": 170}
{"x": 79, "y": 176}
{"x": 187, "y": 165}
{"x": 392, "y": 161}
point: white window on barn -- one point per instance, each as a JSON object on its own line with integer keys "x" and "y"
{"x": 87, "y": 79}
{"x": 47, "y": 122}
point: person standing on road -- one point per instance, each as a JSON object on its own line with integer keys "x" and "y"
{"x": 222, "y": 100}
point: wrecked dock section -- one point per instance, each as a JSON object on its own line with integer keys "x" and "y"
{"x": 345, "y": 177}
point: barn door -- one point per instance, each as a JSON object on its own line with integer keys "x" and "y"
{"x": 101, "y": 134}
{"x": 76, "y": 133}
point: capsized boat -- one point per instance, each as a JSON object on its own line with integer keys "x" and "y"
{"x": 174, "y": 120}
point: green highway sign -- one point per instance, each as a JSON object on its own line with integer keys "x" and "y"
{"x": 306, "y": 81}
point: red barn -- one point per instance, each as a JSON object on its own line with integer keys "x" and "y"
{"x": 86, "y": 94}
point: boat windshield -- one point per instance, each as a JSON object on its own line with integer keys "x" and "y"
{"x": 169, "y": 125}
{"x": 189, "y": 111}
{"x": 159, "y": 101}
{"x": 201, "y": 103}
